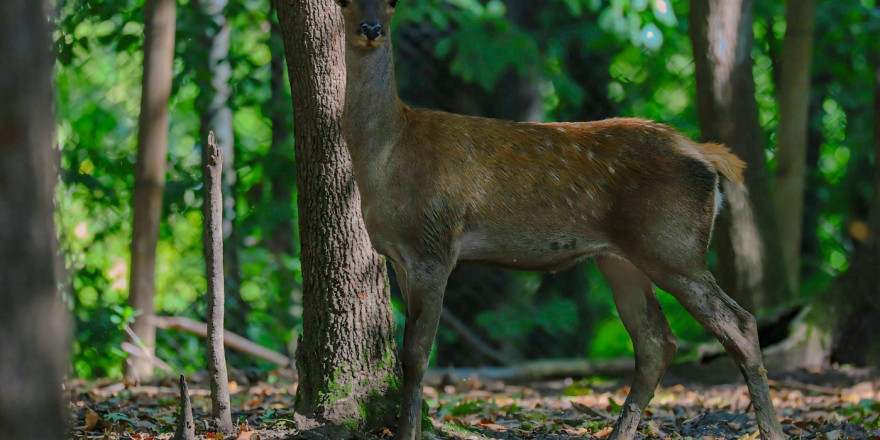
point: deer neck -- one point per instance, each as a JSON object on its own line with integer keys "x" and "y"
{"x": 373, "y": 114}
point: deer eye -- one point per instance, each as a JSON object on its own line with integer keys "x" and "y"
{"x": 392, "y": 3}
{"x": 343, "y": 3}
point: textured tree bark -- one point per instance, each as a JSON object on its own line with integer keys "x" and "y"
{"x": 33, "y": 320}
{"x": 213, "y": 104}
{"x": 159, "y": 26}
{"x": 750, "y": 264}
{"x": 212, "y": 212}
{"x": 860, "y": 285}
{"x": 346, "y": 361}
{"x": 794, "y": 108}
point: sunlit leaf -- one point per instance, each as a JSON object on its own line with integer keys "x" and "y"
{"x": 639, "y": 5}
{"x": 651, "y": 37}
{"x": 663, "y": 12}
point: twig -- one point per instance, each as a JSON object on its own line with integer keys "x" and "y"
{"x": 471, "y": 338}
{"x": 186, "y": 428}
{"x": 212, "y": 211}
{"x": 230, "y": 339}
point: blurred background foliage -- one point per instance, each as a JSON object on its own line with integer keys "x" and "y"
{"x": 583, "y": 59}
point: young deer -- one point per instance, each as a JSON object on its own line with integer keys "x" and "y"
{"x": 440, "y": 189}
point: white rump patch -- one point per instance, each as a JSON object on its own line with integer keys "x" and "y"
{"x": 719, "y": 201}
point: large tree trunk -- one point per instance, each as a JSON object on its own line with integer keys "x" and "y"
{"x": 33, "y": 322}
{"x": 159, "y": 26}
{"x": 213, "y": 104}
{"x": 791, "y": 157}
{"x": 346, "y": 358}
{"x": 750, "y": 267}
{"x": 858, "y": 289}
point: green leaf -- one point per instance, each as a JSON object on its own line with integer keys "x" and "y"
{"x": 575, "y": 7}
{"x": 651, "y": 37}
{"x": 664, "y": 13}
{"x": 615, "y": 407}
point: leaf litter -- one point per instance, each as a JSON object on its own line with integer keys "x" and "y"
{"x": 475, "y": 410}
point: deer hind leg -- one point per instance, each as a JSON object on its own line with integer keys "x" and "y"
{"x": 736, "y": 328}
{"x": 653, "y": 341}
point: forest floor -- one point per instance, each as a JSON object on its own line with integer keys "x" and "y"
{"x": 833, "y": 404}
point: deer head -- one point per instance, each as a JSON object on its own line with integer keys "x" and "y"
{"x": 367, "y": 22}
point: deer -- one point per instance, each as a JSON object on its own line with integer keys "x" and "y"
{"x": 439, "y": 189}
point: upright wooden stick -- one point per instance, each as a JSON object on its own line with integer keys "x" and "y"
{"x": 186, "y": 427}
{"x": 212, "y": 211}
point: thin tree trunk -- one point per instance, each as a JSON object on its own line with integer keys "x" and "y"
{"x": 810, "y": 253}
{"x": 750, "y": 265}
{"x": 33, "y": 320}
{"x": 215, "y": 94}
{"x": 791, "y": 157}
{"x": 159, "y": 26}
{"x": 212, "y": 209}
{"x": 855, "y": 297}
{"x": 346, "y": 360}
{"x": 281, "y": 166}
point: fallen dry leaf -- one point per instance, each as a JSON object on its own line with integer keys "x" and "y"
{"x": 92, "y": 419}
{"x": 456, "y": 420}
{"x": 603, "y": 433}
{"x": 247, "y": 435}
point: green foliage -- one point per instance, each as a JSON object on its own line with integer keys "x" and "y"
{"x": 98, "y": 88}
{"x": 641, "y": 48}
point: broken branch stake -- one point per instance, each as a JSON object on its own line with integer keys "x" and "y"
{"x": 186, "y": 427}
{"x": 212, "y": 211}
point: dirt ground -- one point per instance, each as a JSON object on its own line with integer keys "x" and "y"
{"x": 833, "y": 404}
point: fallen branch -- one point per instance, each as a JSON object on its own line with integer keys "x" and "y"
{"x": 471, "y": 338}
{"x": 186, "y": 427}
{"x": 805, "y": 387}
{"x": 139, "y": 352}
{"x": 536, "y": 370}
{"x": 230, "y": 339}
{"x": 147, "y": 390}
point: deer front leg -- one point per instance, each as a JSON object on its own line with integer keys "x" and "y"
{"x": 653, "y": 341}
{"x": 422, "y": 284}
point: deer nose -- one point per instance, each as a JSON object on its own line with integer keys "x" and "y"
{"x": 371, "y": 30}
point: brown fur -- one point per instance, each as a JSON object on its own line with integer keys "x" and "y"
{"x": 727, "y": 163}
{"x": 584, "y": 175}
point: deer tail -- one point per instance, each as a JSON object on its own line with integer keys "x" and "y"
{"x": 724, "y": 161}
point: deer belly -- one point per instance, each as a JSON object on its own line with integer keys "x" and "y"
{"x": 528, "y": 251}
